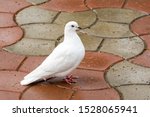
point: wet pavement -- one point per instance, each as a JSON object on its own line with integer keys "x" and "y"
{"x": 117, "y": 41}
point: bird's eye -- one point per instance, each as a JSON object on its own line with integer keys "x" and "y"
{"x": 72, "y": 25}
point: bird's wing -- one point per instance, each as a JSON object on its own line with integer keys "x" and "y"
{"x": 58, "y": 61}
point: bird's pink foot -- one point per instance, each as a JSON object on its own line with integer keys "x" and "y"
{"x": 70, "y": 79}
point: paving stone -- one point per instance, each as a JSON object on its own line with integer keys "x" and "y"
{"x": 9, "y": 61}
{"x": 90, "y": 42}
{"x": 141, "y": 26}
{"x": 2, "y": 44}
{"x": 43, "y": 31}
{"x": 125, "y": 73}
{"x": 109, "y": 30}
{"x": 10, "y": 35}
{"x": 5, "y": 95}
{"x": 98, "y": 61}
{"x": 31, "y": 63}
{"x": 12, "y": 6}
{"x": 10, "y": 81}
{"x": 84, "y": 19}
{"x": 104, "y": 3}
{"x": 141, "y": 5}
{"x": 35, "y": 2}
{"x": 6, "y": 20}
{"x": 88, "y": 80}
{"x": 29, "y": 46}
{"x": 46, "y": 92}
{"x": 146, "y": 39}
{"x": 65, "y": 5}
{"x": 35, "y": 14}
{"x": 118, "y": 15}
{"x": 107, "y": 94}
{"x": 135, "y": 92}
{"x": 142, "y": 59}
{"x": 126, "y": 48}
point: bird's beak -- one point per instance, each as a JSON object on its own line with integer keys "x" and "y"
{"x": 79, "y": 28}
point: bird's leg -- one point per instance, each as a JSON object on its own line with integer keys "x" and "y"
{"x": 70, "y": 79}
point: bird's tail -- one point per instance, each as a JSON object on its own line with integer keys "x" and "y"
{"x": 34, "y": 76}
{"x": 30, "y": 79}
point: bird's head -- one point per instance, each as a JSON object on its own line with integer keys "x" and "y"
{"x": 72, "y": 26}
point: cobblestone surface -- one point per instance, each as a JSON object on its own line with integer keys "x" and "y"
{"x": 116, "y": 36}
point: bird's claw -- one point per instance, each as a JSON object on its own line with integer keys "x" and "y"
{"x": 70, "y": 79}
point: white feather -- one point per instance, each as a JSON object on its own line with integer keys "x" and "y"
{"x": 64, "y": 58}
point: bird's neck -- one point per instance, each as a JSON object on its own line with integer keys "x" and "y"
{"x": 71, "y": 36}
{"x": 69, "y": 33}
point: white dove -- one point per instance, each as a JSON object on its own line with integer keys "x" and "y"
{"x": 64, "y": 58}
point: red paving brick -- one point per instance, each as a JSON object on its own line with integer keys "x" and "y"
{"x": 5, "y": 95}
{"x": 12, "y": 6}
{"x": 104, "y": 3}
{"x": 88, "y": 80}
{"x": 141, "y": 5}
{"x": 65, "y": 5}
{"x": 9, "y": 61}
{"x": 98, "y": 61}
{"x": 6, "y": 20}
{"x": 46, "y": 92}
{"x": 146, "y": 39}
{"x": 90, "y": 84}
{"x": 31, "y": 63}
{"x": 107, "y": 94}
{"x": 10, "y": 35}
{"x": 2, "y": 44}
{"x": 143, "y": 59}
{"x": 10, "y": 81}
{"x": 141, "y": 26}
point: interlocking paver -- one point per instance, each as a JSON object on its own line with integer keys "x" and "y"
{"x": 90, "y": 42}
{"x": 10, "y": 35}
{"x": 141, "y": 26}
{"x": 104, "y": 3}
{"x": 10, "y": 81}
{"x": 2, "y": 44}
{"x": 43, "y": 31}
{"x": 146, "y": 39}
{"x": 88, "y": 80}
{"x": 143, "y": 59}
{"x": 46, "y": 92}
{"x": 107, "y": 94}
{"x": 34, "y": 15}
{"x": 135, "y": 92}
{"x": 65, "y": 5}
{"x": 98, "y": 61}
{"x": 141, "y": 5}
{"x": 84, "y": 19}
{"x": 118, "y": 15}
{"x": 127, "y": 73}
{"x": 31, "y": 63}
{"x": 9, "y": 61}
{"x": 12, "y": 6}
{"x": 6, "y": 95}
{"x": 35, "y": 2}
{"x": 111, "y": 27}
{"x": 110, "y": 30}
{"x": 6, "y": 20}
{"x": 126, "y": 48}
{"x": 28, "y": 46}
